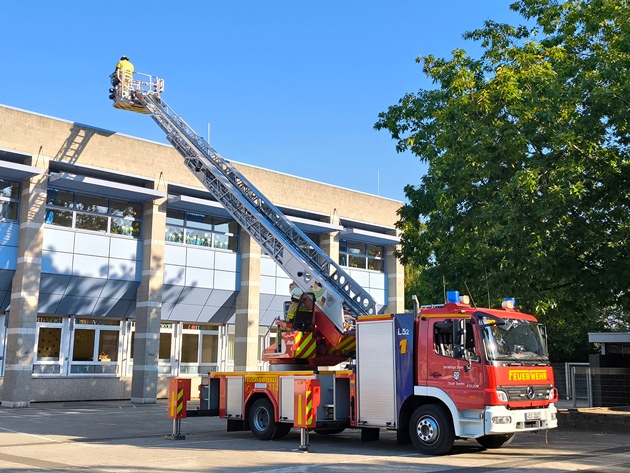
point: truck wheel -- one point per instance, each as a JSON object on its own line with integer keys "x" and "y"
{"x": 261, "y": 421}
{"x": 431, "y": 430}
{"x": 495, "y": 441}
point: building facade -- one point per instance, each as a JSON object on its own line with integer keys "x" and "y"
{"x": 118, "y": 270}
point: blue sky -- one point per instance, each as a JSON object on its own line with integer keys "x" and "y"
{"x": 292, "y": 86}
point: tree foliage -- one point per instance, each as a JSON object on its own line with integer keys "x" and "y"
{"x": 527, "y": 192}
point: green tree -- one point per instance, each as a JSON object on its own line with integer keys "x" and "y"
{"x": 527, "y": 192}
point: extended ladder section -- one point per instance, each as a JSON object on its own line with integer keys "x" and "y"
{"x": 310, "y": 267}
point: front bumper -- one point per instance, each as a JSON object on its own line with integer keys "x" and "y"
{"x": 501, "y": 420}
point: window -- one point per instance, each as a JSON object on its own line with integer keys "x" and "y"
{"x": 49, "y": 346}
{"x": 9, "y": 196}
{"x": 361, "y": 255}
{"x": 231, "y": 340}
{"x": 190, "y": 347}
{"x": 93, "y": 213}
{"x": 191, "y": 228}
{"x": 95, "y": 346}
{"x": 443, "y": 343}
{"x": 165, "y": 350}
{"x": 200, "y": 349}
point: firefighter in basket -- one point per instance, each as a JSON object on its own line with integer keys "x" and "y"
{"x": 296, "y": 293}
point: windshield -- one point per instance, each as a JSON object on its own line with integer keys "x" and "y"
{"x": 513, "y": 340}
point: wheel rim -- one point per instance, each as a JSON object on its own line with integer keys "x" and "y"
{"x": 261, "y": 419}
{"x": 428, "y": 430}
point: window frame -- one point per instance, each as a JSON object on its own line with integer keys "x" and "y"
{"x": 199, "y": 367}
{"x": 43, "y": 367}
{"x": 166, "y": 368}
{"x": 114, "y": 218}
{"x": 361, "y": 255}
{"x": 185, "y": 228}
{"x": 89, "y": 368}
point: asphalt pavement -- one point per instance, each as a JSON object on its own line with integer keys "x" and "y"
{"x": 121, "y": 437}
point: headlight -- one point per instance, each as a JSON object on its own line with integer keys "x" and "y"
{"x": 502, "y": 396}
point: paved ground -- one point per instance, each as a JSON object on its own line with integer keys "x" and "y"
{"x": 106, "y": 437}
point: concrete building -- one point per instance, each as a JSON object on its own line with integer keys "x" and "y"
{"x": 118, "y": 270}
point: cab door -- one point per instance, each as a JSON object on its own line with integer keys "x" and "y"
{"x": 456, "y": 368}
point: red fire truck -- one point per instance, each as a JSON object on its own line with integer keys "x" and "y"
{"x": 440, "y": 374}
{"x": 434, "y": 375}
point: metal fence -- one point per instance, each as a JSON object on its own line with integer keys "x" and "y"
{"x": 595, "y": 387}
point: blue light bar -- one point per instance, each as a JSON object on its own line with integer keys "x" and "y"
{"x": 452, "y": 297}
{"x": 509, "y": 303}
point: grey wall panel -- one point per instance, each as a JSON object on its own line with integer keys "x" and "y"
{"x": 198, "y": 277}
{"x": 377, "y": 280}
{"x": 130, "y": 270}
{"x": 167, "y": 309}
{"x": 125, "y": 248}
{"x": 90, "y": 266}
{"x": 199, "y": 257}
{"x": 175, "y": 254}
{"x": 174, "y": 275}
{"x": 111, "y": 307}
{"x": 5, "y": 301}
{"x": 54, "y": 283}
{"x": 185, "y": 312}
{"x": 220, "y": 298}
{"x": 282, "y": 285}
{"x": 91, "y": 244}
{"x": 119, "y": 289}
{"x": 9, "y": 233}
{"x": 268, "y": 285}
{"x": 8, "y": 257}
{"x": 6, "y": 278}
{"x": 226, "y": 261}
{"x": 171, "y": 293}
{"x": 194, "y": 295}
{"x": 90, "y": 287}
{"x": 268, "y": 266}
{"x": 56, "y": 239}
{"x": 271, "y": 306}
{"x": 49, "y": 303}
{"x": 225, "y": 280}
{"x": 55, "y": 262}
{"x": 74, "y": 305}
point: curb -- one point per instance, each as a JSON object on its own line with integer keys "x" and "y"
{"x": 595, "y": 420}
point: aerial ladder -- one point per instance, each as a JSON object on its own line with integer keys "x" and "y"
{"x": 332, "y": 300}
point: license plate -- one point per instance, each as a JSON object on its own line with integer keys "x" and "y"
{"x": 532, "y": 416}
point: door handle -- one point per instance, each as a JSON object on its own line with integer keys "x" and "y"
{"x": 435, "y": 374}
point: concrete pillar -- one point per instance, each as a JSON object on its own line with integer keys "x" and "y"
{"x": 22, "y": 325}
{"x": 329, "y": 242}
{"x": 395, "y": 282}
{"x": 248, "y": 307}
{"x": 149, "y": 305}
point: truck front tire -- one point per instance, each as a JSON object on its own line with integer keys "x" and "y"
{"x": 431, "y": 430}
{"x": 261, "y": 419}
